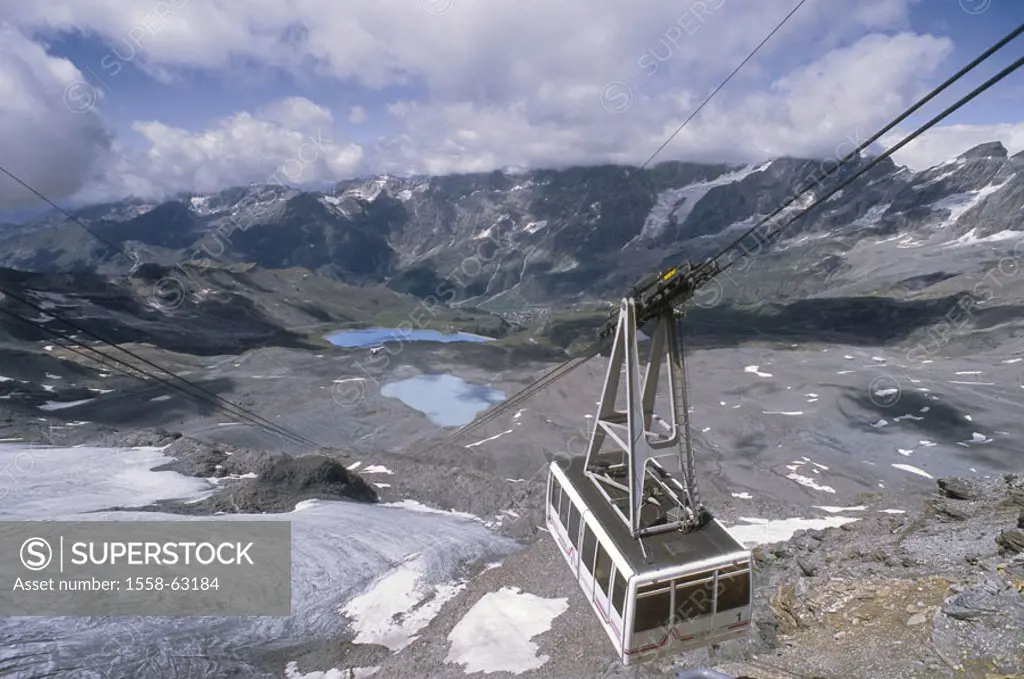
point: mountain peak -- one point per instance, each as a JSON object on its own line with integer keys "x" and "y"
{"x": 992, "y": 149}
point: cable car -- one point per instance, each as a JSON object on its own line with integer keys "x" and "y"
{"x": 695, "y": 593}
{"x": 662, "y": 575}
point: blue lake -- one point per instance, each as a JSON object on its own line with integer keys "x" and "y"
{"x": 373, "y": 336}
{"x": 447, "y": 400}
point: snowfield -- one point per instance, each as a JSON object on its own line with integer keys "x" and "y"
{"x": 353, "y": 567}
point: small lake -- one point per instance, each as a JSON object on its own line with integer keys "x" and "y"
{"x": 373, "y": 336}
{"x": 447, "y": 400}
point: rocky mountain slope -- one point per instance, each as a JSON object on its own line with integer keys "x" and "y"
{"x": 508, "y": 239}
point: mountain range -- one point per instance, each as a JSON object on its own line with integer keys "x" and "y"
{"x": 510, "y": 239}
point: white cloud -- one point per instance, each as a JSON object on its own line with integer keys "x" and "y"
{"x": 297, "y": 113}
{"x": 291, "y": 141}
{"x": 836, "y": 101}
{"x": 943, "y": 143}
{"x": 357, "y": 115}
{"x": 487, "y": 85}
{"x": 44, "y": 142}
{"x": 498, "y": 51}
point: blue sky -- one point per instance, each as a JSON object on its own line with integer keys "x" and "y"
{"x": 199, "y": 96}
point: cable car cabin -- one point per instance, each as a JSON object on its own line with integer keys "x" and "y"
{"x": 677, "y": 592}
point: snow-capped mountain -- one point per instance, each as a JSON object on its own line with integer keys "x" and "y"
{"x": 542, "y": 234}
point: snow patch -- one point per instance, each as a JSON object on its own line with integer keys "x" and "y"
{"x": 489, "y": 438}
{"x": 61, "y": 405}
{"x": 809, "y": 482}
{"x": 414, "y": 506}
{"x": 958, "y": 204}
{"x": 754, "y": 369}
{"x": 507, "y": 620}
{"x": 395, "y": 607}
{"x": 913, "y": 470}
{"x": 765, "y": 531}
{"x": 291, "y": 671}
{"x": 675, "y": 205}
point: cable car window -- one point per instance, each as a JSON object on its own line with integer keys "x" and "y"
{"x": 563, "y": 510}
{"x": 574, "y": 526}
{"x": 587, "y": 553}
{"x": 693, "y": 600}
{"x": 652, "y": 611}
{"x": 602, "y": 569}
{"x": 618, "y": 591}
{"x": 733, "y": 592}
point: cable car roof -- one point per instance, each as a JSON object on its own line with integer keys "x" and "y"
{"x": 664, "y": 550}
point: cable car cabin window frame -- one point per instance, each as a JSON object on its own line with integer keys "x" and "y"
{"x": 573, "y": 528}
{"x": 563, "y": 509}
{"x": 618, "y": 591}
{"x": 588, "y": 551}
{"x": 723, "y": 587}
{"x": 640, "y": 608}
{"x": 600, "y": 575}
{"x": 687, "y": 607}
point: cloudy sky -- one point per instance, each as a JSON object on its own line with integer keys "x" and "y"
{"x": 100, "y": 99}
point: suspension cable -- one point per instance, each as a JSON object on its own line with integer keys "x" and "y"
{"x": 573, "y": 363}
{"x": 200, "y": 392}
{"x": 127, "y": 368}
{"x": 875, "y": 161}
{"x": 855, "y": 153}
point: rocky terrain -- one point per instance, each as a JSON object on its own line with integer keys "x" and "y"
{"x": 868, "y": 368}
{"x": 937, "y": 590}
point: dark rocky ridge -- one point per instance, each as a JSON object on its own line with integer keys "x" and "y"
{"x": 251, "y": 481}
